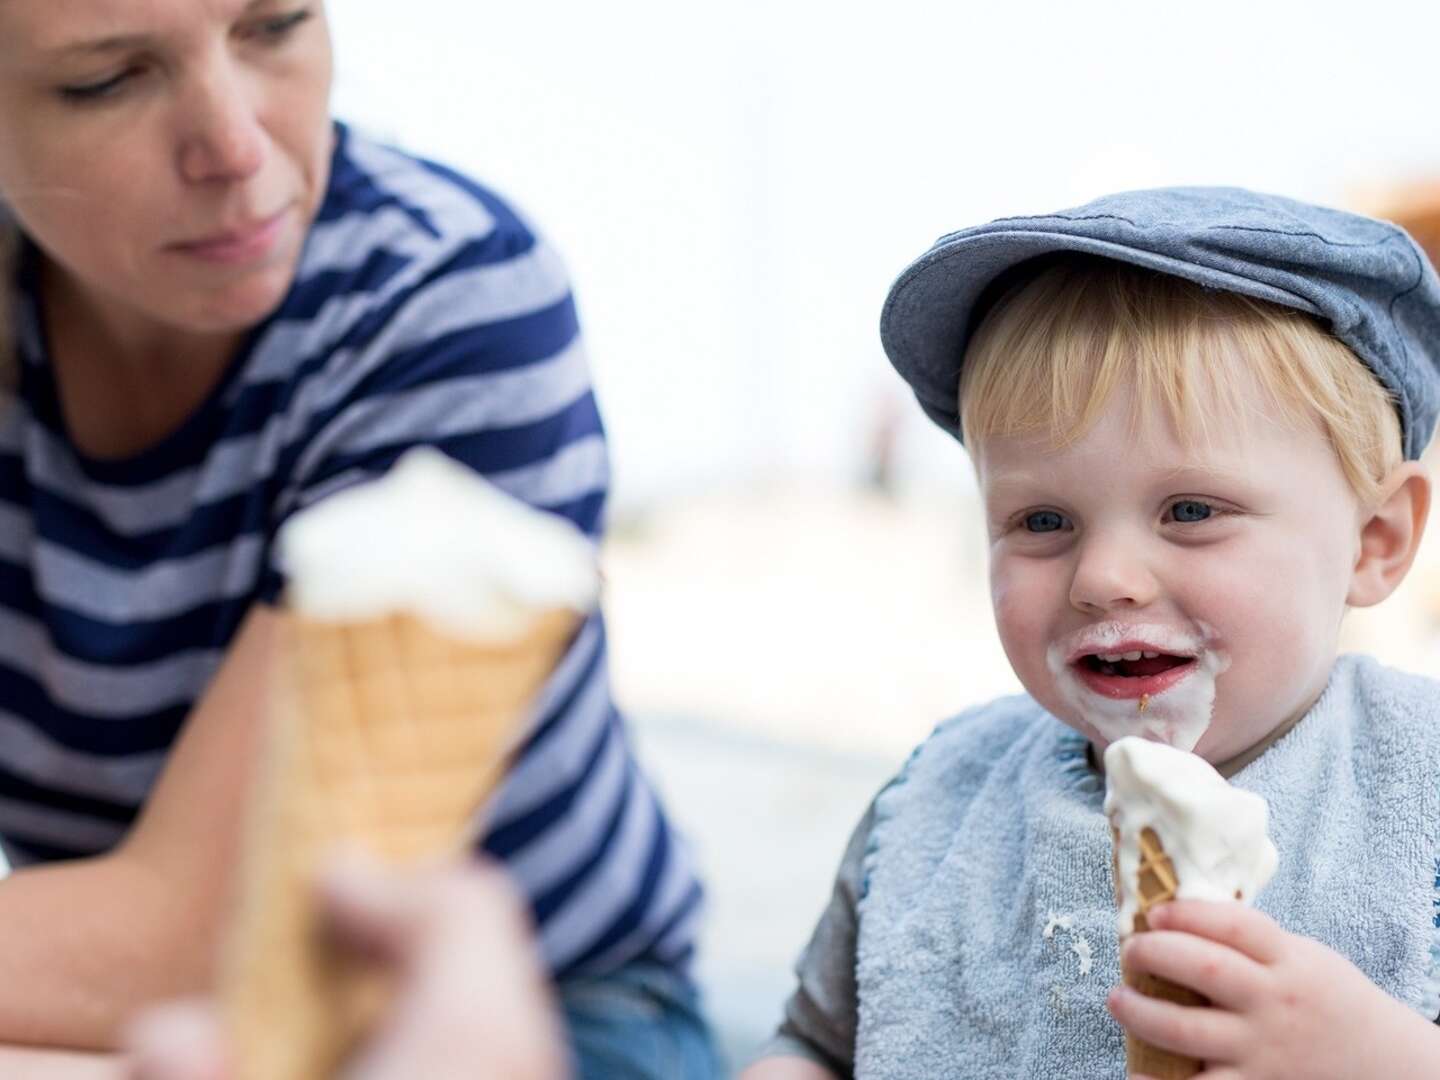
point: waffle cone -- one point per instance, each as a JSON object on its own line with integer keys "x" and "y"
{"x": 387, "y": 734}
{"x": 1157, "y": 883}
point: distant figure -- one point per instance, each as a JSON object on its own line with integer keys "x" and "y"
{"x": 885, "y": 417}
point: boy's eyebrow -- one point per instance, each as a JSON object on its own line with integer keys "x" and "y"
{"x": 1180, "y": 471}
{"x": 1186, "y": 470}
{"x": 1013, "y": 481}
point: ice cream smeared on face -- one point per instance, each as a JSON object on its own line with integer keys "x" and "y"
{"x": 431, "y": 538}
{"x": 1127, "y": 679}
{"x": 1214, "y": 834}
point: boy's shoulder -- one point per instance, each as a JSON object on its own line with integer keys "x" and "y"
{"x": 1376, "y": 687}
{"x": 993, "y": 724}
{"x": 974, "y": 742}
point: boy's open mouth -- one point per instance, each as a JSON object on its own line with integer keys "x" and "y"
{"x": 1133, "y": 674}
{"x": 1133, "y": 665}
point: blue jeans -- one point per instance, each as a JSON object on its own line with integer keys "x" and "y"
{"x": 640, "y": 1023}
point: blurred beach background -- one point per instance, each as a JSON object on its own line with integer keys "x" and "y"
{"x": 796, "y": 567}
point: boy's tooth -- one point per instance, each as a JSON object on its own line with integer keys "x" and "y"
{"x": 1132, "y": 656}
{"x": 1110, "y": 658}
{"x": 1150, "y": 655}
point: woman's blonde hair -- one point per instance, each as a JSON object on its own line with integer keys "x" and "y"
{"x": 1056, "y": 345}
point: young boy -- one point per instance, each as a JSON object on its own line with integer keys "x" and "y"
{"x": 1196, "y": 417}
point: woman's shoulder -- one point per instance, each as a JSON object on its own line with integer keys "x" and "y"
{"x": 387, "y": 207}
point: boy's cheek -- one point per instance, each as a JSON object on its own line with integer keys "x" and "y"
{"x": 1025, "y": 615}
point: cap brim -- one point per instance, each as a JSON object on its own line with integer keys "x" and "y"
{"x": 930, "y": 311}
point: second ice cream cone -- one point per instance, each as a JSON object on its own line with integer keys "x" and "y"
{"x": 425, "y": 611}
{"x": 387, "y": 734}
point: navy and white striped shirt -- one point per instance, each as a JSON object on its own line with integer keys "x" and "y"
{"x": 424, "y": 311}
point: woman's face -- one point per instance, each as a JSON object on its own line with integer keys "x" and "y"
{"x": 167, "y": 155}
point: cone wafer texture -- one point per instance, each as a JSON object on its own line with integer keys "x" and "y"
{"x": 388, "y": 733}
{"x": 1156, "y": 883}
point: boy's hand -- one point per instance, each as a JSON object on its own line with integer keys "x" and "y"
{"x": 1281, "y": 1005}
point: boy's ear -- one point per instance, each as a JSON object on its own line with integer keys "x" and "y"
{"x": 1391, "y": 536}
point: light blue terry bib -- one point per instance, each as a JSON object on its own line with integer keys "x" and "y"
{"x": 987, "y": 937}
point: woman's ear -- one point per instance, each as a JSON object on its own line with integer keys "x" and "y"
{"x": 1390, "y": 537}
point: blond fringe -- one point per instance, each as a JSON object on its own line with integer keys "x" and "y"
{"x": 1053, "y": 350}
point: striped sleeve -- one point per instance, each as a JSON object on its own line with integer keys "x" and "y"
{"x": 509, "y": 398}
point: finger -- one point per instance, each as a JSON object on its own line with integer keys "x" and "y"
{"x": 1226, "y": 976}
{"x": 393, "y": 917}
{"x": 1192, "y": 1030}
{"x": 1252, "y": 932}
{"x": 365, "y": 907}
{"x": 176, "y": 1042}
{"x": 471, "y": 976}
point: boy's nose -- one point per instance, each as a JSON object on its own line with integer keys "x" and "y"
{"x": 1111, "y": 575}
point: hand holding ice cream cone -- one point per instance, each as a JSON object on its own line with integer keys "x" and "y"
{"x": 1180, "y": 831}
{"x": 426, "y": 611}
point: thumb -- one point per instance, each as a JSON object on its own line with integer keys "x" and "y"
{"x": 176, "y": 1042}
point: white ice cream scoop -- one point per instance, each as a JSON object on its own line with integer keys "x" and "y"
{"x": 1214, "y": 834}
{"x": 432, "y": 538}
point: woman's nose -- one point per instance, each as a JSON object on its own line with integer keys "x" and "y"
{"x": 221, "y": 137}
{"x": 1111, "y": 573}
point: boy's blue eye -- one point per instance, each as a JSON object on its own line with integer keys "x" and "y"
{"x": 1188, "y": 511}
{"x": 1043, "y": 521}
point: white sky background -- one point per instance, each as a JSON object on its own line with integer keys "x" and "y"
{"x": 735, "y": 185}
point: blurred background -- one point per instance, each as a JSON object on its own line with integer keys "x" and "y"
{"x": 796, "y": 565}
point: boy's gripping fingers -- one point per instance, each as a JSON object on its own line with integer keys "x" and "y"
{"x": 1242, "y": 928}
{"x": 1226, "y": 976}
{"x": 1191, "y": 1030}
{"x": 1314, "y": 1014}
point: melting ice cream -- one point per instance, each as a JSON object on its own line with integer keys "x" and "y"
{"x": 1214, "y": 833}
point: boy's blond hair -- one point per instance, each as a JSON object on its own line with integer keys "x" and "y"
{"x": 1059, "y": 343}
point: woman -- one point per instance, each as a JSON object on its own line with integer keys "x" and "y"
{"x": 223, "y": 307}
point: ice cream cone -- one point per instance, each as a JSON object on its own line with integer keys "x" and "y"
{"x": 1156, "y": 883}
{"x": 388, "y": 733}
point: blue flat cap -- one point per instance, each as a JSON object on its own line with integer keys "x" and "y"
{"x": 1366, "y": 279}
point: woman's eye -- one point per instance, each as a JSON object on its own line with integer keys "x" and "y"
{"x": 1044, "y": 521}
{"x": 278, "y": 29}
{"x": 1189, "y": 511}
{"x": 97, "y": 90}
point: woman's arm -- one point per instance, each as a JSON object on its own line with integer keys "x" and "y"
{"x": 20, "y": 1063}
{"x": 787, "y": 1068}
{"x": 85, "y": 944}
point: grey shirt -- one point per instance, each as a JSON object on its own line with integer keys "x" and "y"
{"x": 821, "y": 1017}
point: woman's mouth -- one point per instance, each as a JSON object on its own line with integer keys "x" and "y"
{"x": 246, "y": 243}
{"x": 1132, "y": 673}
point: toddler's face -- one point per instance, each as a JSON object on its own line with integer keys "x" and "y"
{"x": 1193, "y": 594}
